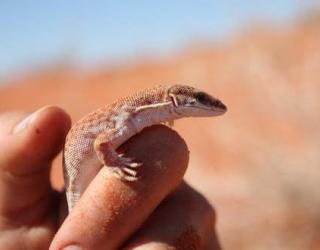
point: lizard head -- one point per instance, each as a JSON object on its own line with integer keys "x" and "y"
{"x": 189, "y": 101}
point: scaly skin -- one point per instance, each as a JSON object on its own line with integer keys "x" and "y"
{"x": 93, "y": 140}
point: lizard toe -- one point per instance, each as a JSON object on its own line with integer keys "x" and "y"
{"x": 125, "y": 174}
{"x": 134, "y": 164}
{"x": 130, "y": 171}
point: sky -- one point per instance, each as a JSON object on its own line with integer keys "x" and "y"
{"x": 38, "y": 31}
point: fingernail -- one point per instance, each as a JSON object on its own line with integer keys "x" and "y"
{"x": 24, "y": 123}
{"x": 72, "y": 247}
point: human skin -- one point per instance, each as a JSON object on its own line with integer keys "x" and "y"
{"x": 158, "y": 212}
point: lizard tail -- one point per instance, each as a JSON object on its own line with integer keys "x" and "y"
{"x": 72, "y": 199}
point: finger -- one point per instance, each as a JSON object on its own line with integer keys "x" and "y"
{"x": 28, "y": 144}
{"x": 185, "y": 220}
{"x": 111, "y": 210}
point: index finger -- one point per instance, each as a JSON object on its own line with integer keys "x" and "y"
{"x": 110, "y": 210}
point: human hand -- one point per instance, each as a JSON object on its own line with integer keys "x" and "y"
{"x": 111, "y": 213}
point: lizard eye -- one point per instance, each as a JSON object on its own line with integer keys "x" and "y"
{"x": 192, "y": 102}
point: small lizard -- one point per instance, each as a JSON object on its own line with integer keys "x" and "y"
{"x": 92, "y": 142}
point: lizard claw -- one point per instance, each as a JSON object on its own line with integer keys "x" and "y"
{"x": 126, "y": 161}
{"x": 125, "y": 174}
{"x": 134, "y": 164}
{"x": 126, "y": 169}
{"x": 130, "y": 171}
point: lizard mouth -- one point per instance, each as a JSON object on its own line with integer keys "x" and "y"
{"x": 209, "y": 110}
{"x": 221, "y": 109}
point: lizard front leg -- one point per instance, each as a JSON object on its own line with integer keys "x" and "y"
{"x": 122, "y": 167}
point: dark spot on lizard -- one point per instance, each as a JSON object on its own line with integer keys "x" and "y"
{"x": 205, "y": 99}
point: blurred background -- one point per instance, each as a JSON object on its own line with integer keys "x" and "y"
{"x": 259, "y": 164}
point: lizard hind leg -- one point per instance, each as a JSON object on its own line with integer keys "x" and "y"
{"x": 122, "y": 167}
